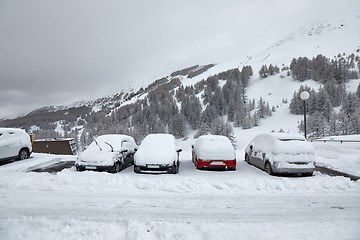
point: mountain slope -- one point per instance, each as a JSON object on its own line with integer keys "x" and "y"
{"x": 329, "y": 37}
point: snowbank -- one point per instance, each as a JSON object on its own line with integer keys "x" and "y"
{"x": 242, "y": 204}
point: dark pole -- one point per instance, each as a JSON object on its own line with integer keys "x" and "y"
{"x": 305, "y": 119}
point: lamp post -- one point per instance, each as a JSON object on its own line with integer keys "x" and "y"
{"x": 304, "y": 95}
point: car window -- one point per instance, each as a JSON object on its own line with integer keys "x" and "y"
{"x": 287, "y": 139}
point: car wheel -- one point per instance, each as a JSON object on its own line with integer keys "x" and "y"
{"x": 117, "y": 167}
{"x": 136, "y": 169}
{"x": 268, "y": 168}
{"x": 247, "y": 159}
{"x": 197, "y": 165}
{"x": 23, "y": 154}
{"x": 175, "y": 169}
{"x": 309, "y": 174}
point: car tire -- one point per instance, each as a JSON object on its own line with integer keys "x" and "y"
{"x": 23, "y": 154}
{"x": 309, "y": 174}
{"x": 197, "y": 166}
{"x": 175, "y": 169}
{"x": 135, "y": 169}
{"x": 247, "y": 159}
{"x": 117, "y": 167}
{"x": 268, "y": 168}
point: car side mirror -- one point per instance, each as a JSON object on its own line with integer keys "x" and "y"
{"x": 251, "y": 147}
{"x": 179, "y": 150}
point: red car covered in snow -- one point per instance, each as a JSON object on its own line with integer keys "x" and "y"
{"x": 214, "y": 152}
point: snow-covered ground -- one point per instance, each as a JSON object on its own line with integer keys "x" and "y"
{"x": 344, "y": 157}
{"x": 244, "y": 204}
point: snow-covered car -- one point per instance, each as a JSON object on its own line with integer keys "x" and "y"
{"x": 281, "y": 153}
{"x": 157, "y": 153}
{"x": 213, "y": 152}
{"x": 110, "y": 152}
{"x": 14, "y": 144}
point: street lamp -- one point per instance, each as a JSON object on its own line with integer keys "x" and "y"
{"x": 304, "y": 95}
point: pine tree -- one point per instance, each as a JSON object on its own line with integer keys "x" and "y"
{"x": 220, "y": 127}
{"x": 264, "y": 71}
{"x": 177, "y": 125}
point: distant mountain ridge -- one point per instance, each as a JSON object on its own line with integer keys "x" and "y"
{"x": 319, "y": 28}
{"x": 326, "y": 37}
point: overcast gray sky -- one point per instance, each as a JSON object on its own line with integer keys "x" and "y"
{"x": 61, "y": 51}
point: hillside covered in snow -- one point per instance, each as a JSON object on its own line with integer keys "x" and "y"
{"x": 218, "y": 98}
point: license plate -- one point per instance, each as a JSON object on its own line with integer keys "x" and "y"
{"x": 153, "y": 166}
{"x": 90, "y": 167}
{"x": 217, "y": 163}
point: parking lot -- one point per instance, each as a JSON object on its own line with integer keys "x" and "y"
{"x": 247, "y": 203}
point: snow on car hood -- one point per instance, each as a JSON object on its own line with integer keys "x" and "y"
{"x": 98, "y": 158}
{"x": 156, "y": 149}
{"x": 214, "y": 147}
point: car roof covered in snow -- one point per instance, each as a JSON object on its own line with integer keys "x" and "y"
{"x": 281, "y": 143}
{"x": 11, "y": 130}
{"x": 22, "y": 137}
{"x": 115, "y": 140}
{"x": 214, "y": 147}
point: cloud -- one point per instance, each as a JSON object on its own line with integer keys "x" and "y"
{"x": 55, "y": 52}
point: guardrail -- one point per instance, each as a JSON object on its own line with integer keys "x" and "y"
{"x": 334, "y": 140}
{"x": 332, "y": 172}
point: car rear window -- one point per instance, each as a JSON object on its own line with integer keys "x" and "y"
{"x": 292, "y": 139}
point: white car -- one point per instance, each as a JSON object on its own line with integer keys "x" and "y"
{"x": 281, "y": 153}
{"x": 111, "y": 153}
{"x": 14, "y": 144}
{"x": 157, "y": 154}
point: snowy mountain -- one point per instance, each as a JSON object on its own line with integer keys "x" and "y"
{"x": 329, "y": 38}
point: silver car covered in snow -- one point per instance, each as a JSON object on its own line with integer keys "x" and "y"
{"x": 111, "y": 153}
{"x": 281, "y": 153}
